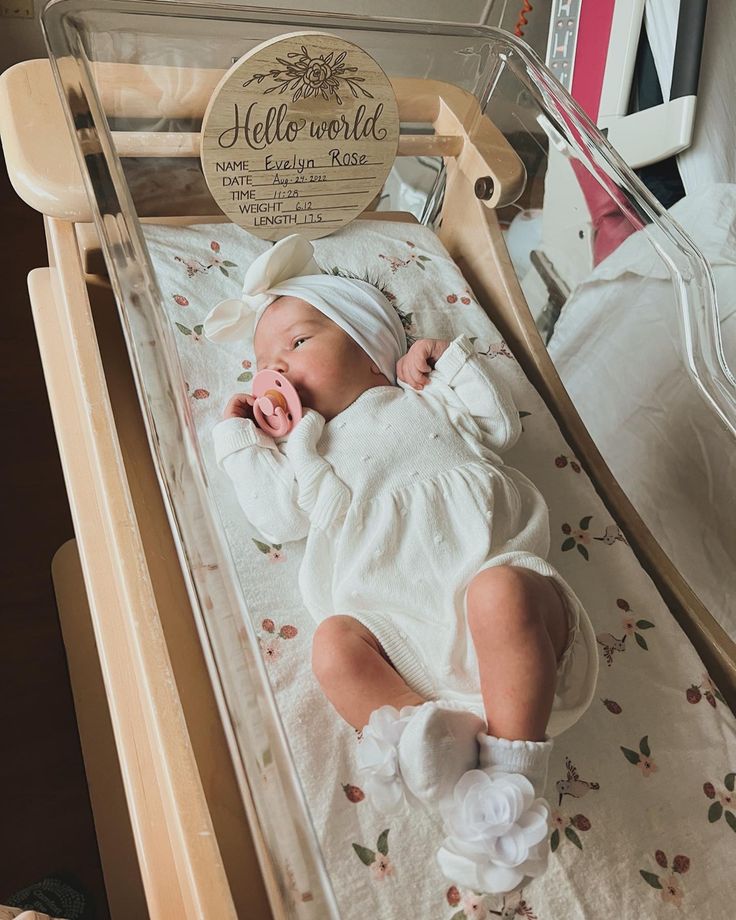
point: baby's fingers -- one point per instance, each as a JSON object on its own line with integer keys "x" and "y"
{"x": 421, "y": 364}
{"x": 417, "y": 376}
{"x": 239, "y": 406}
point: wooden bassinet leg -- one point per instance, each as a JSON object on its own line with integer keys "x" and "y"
{"x": 114, "y": 834}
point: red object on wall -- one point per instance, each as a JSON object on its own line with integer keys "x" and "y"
{"x": 591, "y": 51}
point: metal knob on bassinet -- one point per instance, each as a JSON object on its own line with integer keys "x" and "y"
{"x": 277, "y": 408}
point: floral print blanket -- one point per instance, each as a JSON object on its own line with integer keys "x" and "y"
{"x": 641, "y": 789}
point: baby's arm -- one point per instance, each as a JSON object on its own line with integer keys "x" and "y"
{"x": 263, "y": 478}
{"x": 322, "y": 494}
{"x": 484, "y": 395}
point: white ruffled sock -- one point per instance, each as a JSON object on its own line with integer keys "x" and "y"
{"x": 530, "y": 758}
{"x": 438, "y": 745}
{"x": 496, "y": 819}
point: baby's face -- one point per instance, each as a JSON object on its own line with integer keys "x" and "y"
{"x": 328, "y": 369}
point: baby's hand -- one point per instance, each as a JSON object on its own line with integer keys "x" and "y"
{"x": 414, "y": 368}
{"x": 239, "y": 406}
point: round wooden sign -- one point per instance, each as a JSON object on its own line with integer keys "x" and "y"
{"x": 299, "y": 136}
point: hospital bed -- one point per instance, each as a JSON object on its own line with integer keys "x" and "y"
{"x": 652, "y": 432}
{"x": 232, "y": 791}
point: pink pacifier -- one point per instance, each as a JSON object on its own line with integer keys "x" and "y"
{"x": 277, "y": 408}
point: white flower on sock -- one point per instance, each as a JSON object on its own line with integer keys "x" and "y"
{"x": 497, "y": 832}
{"x": 378, "y": 758}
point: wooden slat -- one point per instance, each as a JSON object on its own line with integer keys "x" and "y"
{"x": 186, "y": 144}
{"x": 47, "y": 177}
{"x": 123, "y": 886}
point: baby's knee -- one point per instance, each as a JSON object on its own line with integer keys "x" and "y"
{"x": 336, "y": 646}
{"x": 501, "y": 596}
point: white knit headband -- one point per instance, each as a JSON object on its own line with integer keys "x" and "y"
{"x": 289, "y": 269}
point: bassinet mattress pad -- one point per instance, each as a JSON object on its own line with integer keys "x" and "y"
{"x": 641, "y": 787}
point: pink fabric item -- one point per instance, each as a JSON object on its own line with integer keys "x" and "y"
{"x": 591, "y": 51}
{"x": 611, "y": 224}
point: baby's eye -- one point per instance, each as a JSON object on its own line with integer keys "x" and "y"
{"x": 298, "y": 342}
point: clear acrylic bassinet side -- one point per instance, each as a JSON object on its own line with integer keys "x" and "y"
{"x": 250, "y": 718}
{"x": 123, "y": 67}
{"x": 626, "y": 303}
{"x": 547, "y": 118}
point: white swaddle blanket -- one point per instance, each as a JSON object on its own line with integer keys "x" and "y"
{"x": 640, "y": 784}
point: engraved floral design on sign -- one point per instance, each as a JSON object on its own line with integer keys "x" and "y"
{"x": 308, "y": 76}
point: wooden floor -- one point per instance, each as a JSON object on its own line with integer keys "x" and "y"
{"x": 47, "y": 825}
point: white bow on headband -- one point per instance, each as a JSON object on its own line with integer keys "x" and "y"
{"x": 289, "y": 269}
{"x": 231, "y": 320}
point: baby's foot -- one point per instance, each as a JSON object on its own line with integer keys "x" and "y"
{"x": 496, "y": 823}
{"x": 437, "y": 746}
{"x": 378, "y": 758}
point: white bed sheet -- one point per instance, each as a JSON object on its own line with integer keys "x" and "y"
{"x": 616, "y": 347}
{"x": 632, "y": 836}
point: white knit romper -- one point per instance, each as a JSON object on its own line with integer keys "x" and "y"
{"x": 403, "y": 499}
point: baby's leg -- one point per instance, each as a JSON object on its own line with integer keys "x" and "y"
{"x": 519, "y": 628}
{"x": 354, "y": 671}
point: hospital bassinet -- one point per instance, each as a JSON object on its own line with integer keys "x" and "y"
{"x": 206, "y": 731}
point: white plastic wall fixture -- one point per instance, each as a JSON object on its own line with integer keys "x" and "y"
{"x": 663, "y": 130}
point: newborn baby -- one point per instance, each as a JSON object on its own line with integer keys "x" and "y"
{"x": 444, "y": 634}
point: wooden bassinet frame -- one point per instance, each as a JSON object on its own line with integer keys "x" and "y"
{"x": 169, "y": 794}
